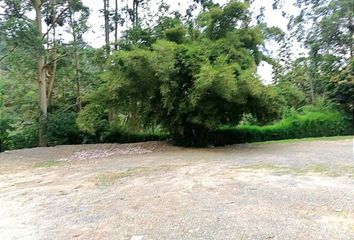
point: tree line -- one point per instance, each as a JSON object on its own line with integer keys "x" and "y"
{"x": 165, "y": 72}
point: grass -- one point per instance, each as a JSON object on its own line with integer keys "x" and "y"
{"x": 317, "y": 169}
{"x": 349, "y": 170}
{"x": 47, "y": 164}
{"x": 110, "y": 178}
{"x": 264, "y": 166}
{"x": 310, "y": 139}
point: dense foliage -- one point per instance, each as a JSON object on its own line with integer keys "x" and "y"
{"x": 307, "y": 123}
{"x": 190, "y": 77}
{"x": 191, "y": 88}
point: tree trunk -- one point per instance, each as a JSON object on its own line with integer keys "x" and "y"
{"x": 52, "y": 72}
{"x": 106, "y": 25}
{"x": 135, "y": 13}
{"x": 116, "y": 26}
{"x": 76, "y": 60}
{"x": 42, "y": 88}
{"x": 310, "y": 82}
{"x": 51, "y": 67}
{"x": 77, "y": 76}
{"x": 351, "y": 30}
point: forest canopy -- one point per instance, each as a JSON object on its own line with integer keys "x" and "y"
{"x": 189, "y": 76}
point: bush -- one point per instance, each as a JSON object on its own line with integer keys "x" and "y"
{"x": 295, "y": 125}
{"x": 4, "y": 126}
{"x": 116, "y": 133}
{"x": 119, "y": 134}
{"x": 92, "y": 119}
{"x": 127, "y": 137}
{"x": 18, "y": 135}
{"x": 62, "y": 129}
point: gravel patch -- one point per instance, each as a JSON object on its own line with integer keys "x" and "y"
{"x": 157, "y": 191}
{"x": 91, "y": 154}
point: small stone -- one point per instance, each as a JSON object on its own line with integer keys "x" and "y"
{"x": 338, "y": 210}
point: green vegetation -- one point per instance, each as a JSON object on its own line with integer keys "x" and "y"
{"x": 295, "y": 125}
{"x": 48, "y": 164}
{"x": 310, "y": 139}
{"x": 311, "y": 169}
{"x": 186, "y": 76}
{"x": 108, "y": 179}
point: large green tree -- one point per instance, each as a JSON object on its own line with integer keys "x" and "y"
{"x": 190, "y": 88}
{"x": 325, "y": 29}
{"x": 38, "y": 43}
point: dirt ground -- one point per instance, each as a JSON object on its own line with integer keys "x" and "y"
{"x": 302, "y": 190}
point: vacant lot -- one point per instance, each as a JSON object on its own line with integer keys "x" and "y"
{"x": 301, "y": 190}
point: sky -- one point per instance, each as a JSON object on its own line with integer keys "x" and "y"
{"x": 273, "y": 18}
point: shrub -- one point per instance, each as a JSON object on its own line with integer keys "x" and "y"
{"x": 92, "y": 119}
{"x": 118, "y": 134}
{"x": 19, "y": 135}
{"x": 62, "y": 129}
{"x": 294, "y": 125}
{"x": 4, "y": 126}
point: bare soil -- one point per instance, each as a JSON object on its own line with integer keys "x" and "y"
{"x": 301, "y": 190}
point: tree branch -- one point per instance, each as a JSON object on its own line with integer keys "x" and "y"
{"x": 66, "y": 109}
{"x": 7, "y": 54}
{"x": 55, "y": 21}
{"x": 56, "y": 59}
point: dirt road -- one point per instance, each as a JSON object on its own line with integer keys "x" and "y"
{"x": 299, "y": 190}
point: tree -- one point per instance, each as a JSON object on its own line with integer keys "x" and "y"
{"x": 325, "y": 28}
{"x": 191, "y": 88}
{"x": 41, "y": 79}
{"x": 18, "y": 100}
{"x": 41, "y": 39}
{"x": 219, "y": 21}
{"x": 331, "y": 26}
{"x": 106, "y": 25}
{"x": 342, "y": 88}
{"x": 135, "y": 12}
{"x": 116, "y": 23}
{"x": 78, "y": 28}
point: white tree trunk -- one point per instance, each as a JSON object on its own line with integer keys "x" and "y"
{"x": 41, "y": 79}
